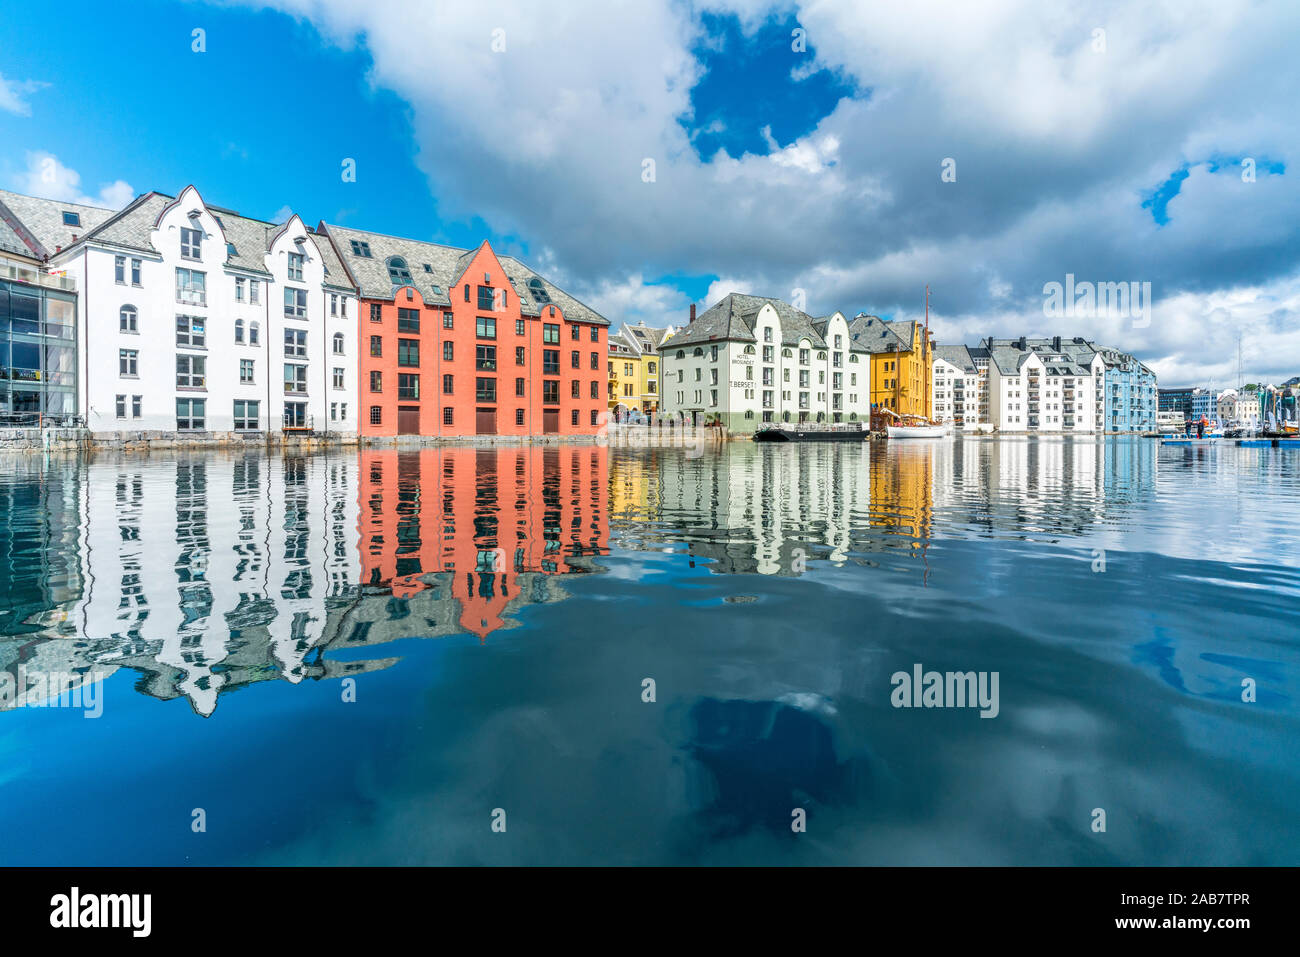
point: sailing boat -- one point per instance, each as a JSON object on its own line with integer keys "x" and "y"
{"x": 919, "y": 426}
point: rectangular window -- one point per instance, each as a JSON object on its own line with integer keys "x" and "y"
{"x": 136, "y": 402}
{"x": 191, "y": 243}
{"x": 408, "y": 386}
{"x": 190, "y": 372}
{"x": 408, "y": 352}
{"x": 594, "y": 420}
{"x": 376, "y": 345}
{"x": 191, "y": 414}
{"x": 573, "y": 416}
{"x": 295, "y": 343}
{"x": 127, "y": 320}
{"x": 448, "y": 351}
{"x": 295, "y": 266}
{"x": 245, "y": 371}
{"x": 519, "y": 327}
{"x": 191, "y": 287}
{"x": 519, "y": 355}
{"x": 119, "y": 269}
{"x": 246, "y": 414}
{"x": 448, "y": 320}
{"x": 575, "y": 389}
{"x": 595, "y": 390}
{"x": 595, "y": 361}
{"x": 519, "y": 387}
{"x": 551, "y": 361}
{"x": 485, "y": 327}
{"x": 254, "y": 290}
{"x": 338, "y": 343}
{"x": 519, "y": 416}
{"x": 550, "y": 333}
{"x": 376, "y": 415}
{"x": 135, "y": 272}
{"x": 408, "y": 320}
{"x": 485, "y": 390}
{"x": 575, "y": 359}
{"x": 295, "y": 378}
{"x": 448, "y": 385}
{"x": 121, "y": 406}
{"x": 485, "y": 358}
{"x": 550, "y": 391}
{"x": 446, "y": 413}
{"x": 253, "y": 333}
{"x": 71, "y": 219}
{"x": 376, "y": 382}
{"x": 485, "y": 297}
{"x": 376, "y": 312}
{"x": 295, "y": 303}
{"x": 191, "y": 332}
{"x": 239, "y": 289}
{"x": 338, "y": 377}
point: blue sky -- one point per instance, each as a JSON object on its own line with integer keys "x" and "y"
{"x": 778, "y": 171}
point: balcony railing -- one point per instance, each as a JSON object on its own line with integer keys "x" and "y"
{"x": 297, "y": 423}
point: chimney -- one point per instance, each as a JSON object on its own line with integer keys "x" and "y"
{"x": 1021, "y": 345}
{"x": 1056, "y": 343}
{"x": 692, "y": 319}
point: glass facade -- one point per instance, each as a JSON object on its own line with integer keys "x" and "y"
{"x": 38, "y": 353}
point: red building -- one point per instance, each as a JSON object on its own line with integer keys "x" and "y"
{"x": 485, "y": 527}
{"x": 458, "y": 342}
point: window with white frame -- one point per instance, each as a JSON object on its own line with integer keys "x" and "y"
{"x": 128, "y": 362}
{"x": 191, "y": 243}
{"x": 295, "y": 266}
{"x": 246, "y": 372}
{"x": 295, "y": 378}
{"x": 191, "y": 332}
{"x": 338, "y": 343}
{"x": 246, "y": 414}
{"x": 128, "y": 319}
{"x": 191, "y": 372}
{"x": 295, "y": 303}
{"x": 191, "y": 287}
{"x": 295, "y": 343}
{"x": 191, "y": 414}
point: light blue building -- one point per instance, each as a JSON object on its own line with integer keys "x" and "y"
{"x": 1130, "y": 394}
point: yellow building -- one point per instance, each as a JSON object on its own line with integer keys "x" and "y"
{"x": 902, "y": 363}
{"x": 635, "y": 377}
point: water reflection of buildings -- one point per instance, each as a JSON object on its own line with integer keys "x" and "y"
{"x": 209, "y": 572}
{"x": 460, "y": 537}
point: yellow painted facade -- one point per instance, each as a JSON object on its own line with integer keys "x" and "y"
{"x": 635, "y": 374}
{"x": 901, "y": 380}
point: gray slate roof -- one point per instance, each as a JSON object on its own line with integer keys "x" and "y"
{"x": 733, "y": 317}
{"x": 447, "y": 265}
{"x": 42, "y": 222}
{"x": 875, "y": 335}
{"x": 958, "y": 356}
{"x": 130, "y": 230}
{"x": 1009, "y": 355}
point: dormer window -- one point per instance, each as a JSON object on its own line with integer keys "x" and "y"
{"x": 398, "y": 271}
{"x": 71, "y": 219}
{"x": 295, "y": 266}
{"x": 360, "y": 249}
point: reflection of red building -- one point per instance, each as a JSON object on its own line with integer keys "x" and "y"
{"x": 491, "y": 519}
{"x": 464, "y": 342}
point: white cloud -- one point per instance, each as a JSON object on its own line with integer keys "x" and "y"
{"x": 1056, "y": 145}
{"x": 282, "y": 215}
{"x": 45, "y": 176}
{"x": 13, "y": 95}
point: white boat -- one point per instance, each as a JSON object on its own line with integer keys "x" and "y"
{"x": 917, "y": 431}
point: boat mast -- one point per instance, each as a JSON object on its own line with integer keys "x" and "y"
{"x": 925, "y": 355}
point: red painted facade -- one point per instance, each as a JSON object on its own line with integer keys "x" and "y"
{"x": 555, "y": 385}
{"x": 492, "y": 518}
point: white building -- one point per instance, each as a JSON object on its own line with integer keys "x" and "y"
{"x": 751, "y": 359}
{"x": 194, "y": 319}
{"x": 1045, "y": 385}
{"x": 1238, "y": 410}
{"x": 960, "y": 387}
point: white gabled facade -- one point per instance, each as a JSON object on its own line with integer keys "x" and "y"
{"x": 764, "y": 370}
{"x": 1044, "y": 386}
{"x": 183, "y": 323}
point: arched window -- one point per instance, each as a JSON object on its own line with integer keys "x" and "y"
{"x": 853, "y": 357}
{"x": 538, "y": 291}
{"x": 681, "y": 353}
{"x": 253, "y": 333}
{"x": 338, "y": 343}
{"x": 128, "y": 319}
{"x": 749, "y": 413}
{"x": 398, "y": 271}
{"x": 749, "y": 350}
{"x": 853, "y": 417}
{"x": 698, "y": 351}
{"x": 239, "y": 331}
{"x": 787, "y": 354}
{"x": 821, "y": 357}
{"x": 821, "y": 416}
{"x": 785, "y": 416}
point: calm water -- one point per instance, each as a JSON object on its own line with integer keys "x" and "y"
{"x": 357, "y": 658}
